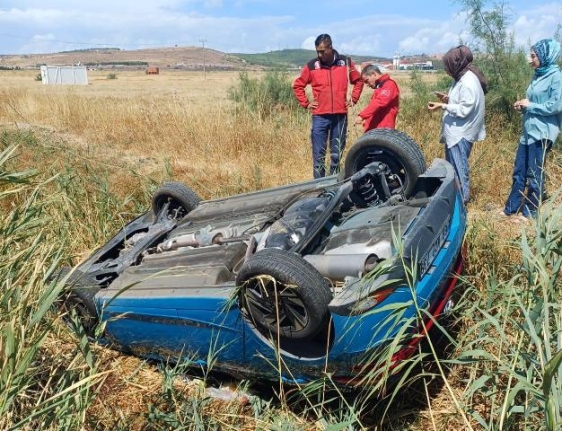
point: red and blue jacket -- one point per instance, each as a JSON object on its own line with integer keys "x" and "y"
{"x": 329, "y": 84}
{"x": 383, "y": 106}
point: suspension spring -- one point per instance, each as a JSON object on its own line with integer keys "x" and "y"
{"x": 367, "y": 190}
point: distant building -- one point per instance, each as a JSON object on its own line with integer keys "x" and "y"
{"x": 151, "y": 70}
{"x": 424, "y": 65}
{"x": 396, "y": 62}
{"x": 421, "y": 65}
{"x": 384, "y": 67}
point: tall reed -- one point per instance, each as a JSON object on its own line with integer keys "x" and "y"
{"x": 37, "y": 390}
{"x": 513, "y": 342}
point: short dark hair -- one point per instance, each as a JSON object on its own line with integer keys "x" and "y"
{"x": 370, "y": 69}
{"x": 323, "y": 38}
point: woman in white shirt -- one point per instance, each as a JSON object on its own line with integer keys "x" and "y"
{"x": 463, "y": 112}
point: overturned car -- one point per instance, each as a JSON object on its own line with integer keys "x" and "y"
{"x": 307, "y": 273}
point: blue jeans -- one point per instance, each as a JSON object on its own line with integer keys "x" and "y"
{"x": 458, "y": 156}
{"x": 528, "y": 171}
{"x": 334, "y": 125}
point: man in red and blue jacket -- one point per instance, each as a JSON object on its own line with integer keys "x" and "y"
{"x": 383, "y": 107}
{"x": 329, "y": 75}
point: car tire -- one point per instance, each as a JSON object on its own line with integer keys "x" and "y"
{"x": 181, "y": 198}
{"x": 82, "y": 289}
{"x": 394, "y": 148}
{"x": 301, "y": 291}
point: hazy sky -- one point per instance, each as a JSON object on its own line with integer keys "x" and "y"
{"x": 377, "y": 28}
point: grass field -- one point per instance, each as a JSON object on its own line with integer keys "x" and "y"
{"x": 107, "y": 144}
{"x": 159, "y": 118}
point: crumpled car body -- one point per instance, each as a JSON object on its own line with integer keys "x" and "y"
{"x": 294, "y": 282}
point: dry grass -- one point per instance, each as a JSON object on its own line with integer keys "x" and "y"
{"x": 181, "y": 125}
{"x": 182, "y": 120}
{"x": 179, "y": 118}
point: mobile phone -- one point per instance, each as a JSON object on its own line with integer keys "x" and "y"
{"x": 439, "y": 93}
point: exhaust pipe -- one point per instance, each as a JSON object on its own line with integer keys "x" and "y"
{"x": 338, "y": 266}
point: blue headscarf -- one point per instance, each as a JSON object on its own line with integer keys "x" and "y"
{"x": 547, "y": 51}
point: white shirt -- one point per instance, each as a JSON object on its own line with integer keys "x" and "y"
{"x": 464, "y": 112}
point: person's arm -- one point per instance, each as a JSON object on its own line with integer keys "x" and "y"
{"x": 299, "y": 86}
{"x": 356, "y": 81}
{"x": 464, "y": 102}
{"x": 554, "y": 103}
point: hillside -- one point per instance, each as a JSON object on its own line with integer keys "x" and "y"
{"x": 291, "y": 58}
{"x": 186, "y": 57}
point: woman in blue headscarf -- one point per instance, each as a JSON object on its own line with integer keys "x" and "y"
{"x": 542, "y": 120}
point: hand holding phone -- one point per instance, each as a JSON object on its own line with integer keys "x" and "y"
{"x": 443, "y": 97}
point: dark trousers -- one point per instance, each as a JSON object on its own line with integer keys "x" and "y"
{"x": 528, "y": 171}
{"x": 334, "y": 127}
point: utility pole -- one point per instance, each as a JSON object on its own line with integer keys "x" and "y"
{"x": 204, "y": 65}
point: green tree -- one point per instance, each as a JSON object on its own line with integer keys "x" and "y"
{"x": 496, "y": 53}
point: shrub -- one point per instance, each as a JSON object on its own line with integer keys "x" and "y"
{"x": 265, "y": 96}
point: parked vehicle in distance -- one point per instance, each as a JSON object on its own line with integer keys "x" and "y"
{"x": 292, "y": 282}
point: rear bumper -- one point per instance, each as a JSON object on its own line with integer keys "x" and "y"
{"x": 359, "y": 374}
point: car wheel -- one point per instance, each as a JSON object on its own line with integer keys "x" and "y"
{"x": 283, "y": 294}
{"x": 181, "y": 199}
{"x": 392, "y": 147}
{"x": 79, "y": 299}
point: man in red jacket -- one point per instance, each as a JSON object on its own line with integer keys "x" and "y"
{"x": 329, "y": 75}
{"x": 383, "y": 107}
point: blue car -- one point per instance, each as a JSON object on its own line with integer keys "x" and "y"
{"x": 295, "y": 282}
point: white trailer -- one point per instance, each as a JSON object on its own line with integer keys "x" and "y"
{"x": 71, "y": 75}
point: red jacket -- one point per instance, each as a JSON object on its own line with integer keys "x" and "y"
{"x": 383, "y": 107}
{"x": 329, "y": 84}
